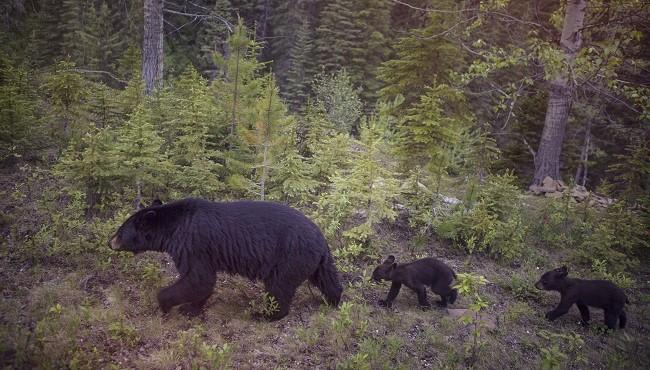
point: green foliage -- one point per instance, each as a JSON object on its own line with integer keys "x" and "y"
{"x": 349, "y": 325}
{"x": 618, "y": 238}
{"x": 469, "y": 285}
{"x": 65, "y": 91}
{"x": 192, "y": 351}
{"x": 623, "y": 280}
{"x": 366, "y": 190}
{"x": 493, "y": 224}
{"x": 431, "y": 124}
{"x": 123, "y": 333}
{"x": 570, "y": 354}
{"x": 189, "y": 127}
{"x": 339, "y": 100}
{"x": 265, "y": 306}
{"x": 561, "y": 223}
{"x": 21, "y": 133}
{"x": 423, "y": 59}
{"x": 522, "y": 287}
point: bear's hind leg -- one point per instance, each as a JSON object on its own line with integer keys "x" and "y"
{"x": 421, "y": 290}
{"x": 282, "y": 293}
{"x": 611, "y": 318}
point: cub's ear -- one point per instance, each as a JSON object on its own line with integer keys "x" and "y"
{"x": 156, "y": 202}
{"x": 390, "y": 259}
{"x": 563, "y": 271}
{"x": 393, "y": 266}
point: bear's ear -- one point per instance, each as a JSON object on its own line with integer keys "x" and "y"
{"x": 393, "y": 266}
{"x": 390, "y": 259}
{"x": 156, "y": 202}
{"x": 563, "y": 271}
{"x": 149, "y": 215}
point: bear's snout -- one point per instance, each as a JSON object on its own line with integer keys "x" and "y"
{"x": 539, "y": 285}
{"x": 114, "y": 244}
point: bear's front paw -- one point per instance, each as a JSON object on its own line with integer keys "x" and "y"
{"x": 383, "y": 303}
{"x": 425, "y": 307}
{"x": 550, "y": 316}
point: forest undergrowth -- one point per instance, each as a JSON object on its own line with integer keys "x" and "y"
{"x": 69, "y": 301}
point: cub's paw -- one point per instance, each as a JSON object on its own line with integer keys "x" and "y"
{"x": 425, "y": 307}
{"x": 383, "y": 303}
{"x": 549, "y": 316}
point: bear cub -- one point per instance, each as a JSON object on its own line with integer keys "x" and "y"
{"x": 417, "y": 275}
{"x": 595, "y": 293}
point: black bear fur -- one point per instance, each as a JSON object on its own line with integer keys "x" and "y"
{"x": 259, "y": 240}
{"x": 584, "y": 293}
{"x": 417, "y": 275}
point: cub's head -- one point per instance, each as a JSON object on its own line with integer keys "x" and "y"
{"x": 552, "y": 280}
{"x": 138, "y": 232}
{"x": 385, "y": 270}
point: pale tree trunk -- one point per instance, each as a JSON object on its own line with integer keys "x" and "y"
{"x": 152, "y": 45}
{"x": 547, "y": 159}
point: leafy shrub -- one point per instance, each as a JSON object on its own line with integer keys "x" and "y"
{"x": 266, "y": 305}
{"x": 561, "y": 223}
{"x": 623, "y": 280}
{"x": 192, "y": 352}
{"x": 618, "y": 238}
{"x": 493, "y": 225}
{"x": 123, "y": 333}
{"x": 522, "y": 288}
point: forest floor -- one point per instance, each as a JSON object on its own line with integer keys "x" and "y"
{"x": 93, "y": 312}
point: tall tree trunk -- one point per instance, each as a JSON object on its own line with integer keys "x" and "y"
{"x": 152, "y": 45}
{"x": 547, "y": 159}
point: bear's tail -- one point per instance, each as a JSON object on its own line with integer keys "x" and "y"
{"x": 326, "y": 279}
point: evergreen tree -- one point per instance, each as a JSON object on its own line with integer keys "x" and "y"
{"x": 237, "y": 89}
{"x": 143, "y": 167}
{"x": 300, "y": 70}
{"x": 102, "y": 40}
{"x": 336, "y": 94}
{"x": 21, "y": 132}
{"x": 422, "y": 60}
{"x": 213, "y": 38}
{"x": 187, "y": 129}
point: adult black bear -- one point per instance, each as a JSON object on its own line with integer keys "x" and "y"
{"x": 596, "y": 293}
{"x": 259, "y": 240}
{"x": 417, "y": 275}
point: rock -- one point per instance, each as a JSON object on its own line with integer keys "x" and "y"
{"x": 488, "y": 321}
{"x": 450, "y": 200}
{"x": 579, "y": 193}
{"x": 549, "y": 185}
{"x": 555, "y": 194}
{"x": 536, "y": 189}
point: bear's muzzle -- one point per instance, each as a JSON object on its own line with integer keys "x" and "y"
{"x": 114, "y": 244}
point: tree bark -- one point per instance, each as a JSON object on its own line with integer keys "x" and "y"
{"x": 547, "y": 158}
{"x": 152, "y": 46}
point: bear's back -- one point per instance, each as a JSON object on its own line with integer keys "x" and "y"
{"x": 247, "y": 237}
